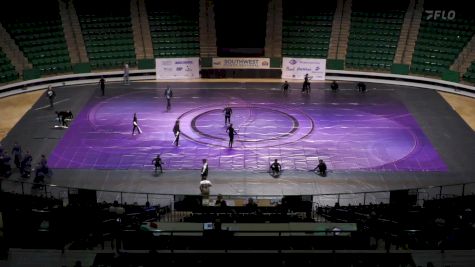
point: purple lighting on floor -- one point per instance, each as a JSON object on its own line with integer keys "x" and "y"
{"x": 347, "y": 130}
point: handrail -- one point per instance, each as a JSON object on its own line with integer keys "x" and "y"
{"x": 149, "y": 194}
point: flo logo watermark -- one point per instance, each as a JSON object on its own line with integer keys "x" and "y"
{"x": 440, "y": 14}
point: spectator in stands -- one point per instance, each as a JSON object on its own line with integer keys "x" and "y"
{"x": 275, "y": 168}
{"x": 334, "y": 86}
{"x": 42, "y": 170}
{"x": 168, "y": 95}
{"x": 102, "y": 83}
{"x": 126, "y": 73}
{"x": 25, "y": 166}
{"x": 251, "y": 206}
{"x": 51, "y": 94}
{"x": 5, "y": 168}
{"x": 16, "y": 153}
{"x": 285, "y": 87}
{"x": 220, "y": 202}
{"x": 321, "y": 168}
{"x": 157, "y": 162}
{"x": 361, "y": 87}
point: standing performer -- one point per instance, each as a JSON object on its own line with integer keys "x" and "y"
{"x": 285, "y": 87}
{"x": 126, "y": 73}
{"x": 176, "y": 132}
{"x": 227, "y": 114}
{"x": 157, "y": 162}
{"x": 136, "y": 125}
{"x": 51, "y": 95}
{"x": 102, "y": 83}
{"x": 306, "y": 84}
{"x": 231, "y": 132}
{"x": 168, "y": 95}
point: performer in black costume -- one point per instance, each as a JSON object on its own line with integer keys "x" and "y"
{"x": 64, "y": 116}
{"x": 102, "y": 83}
{"x": 231, "y": 132}
{"x": 227, "y": 114}
{"x": 275, "y": 168}
{"x": 285, "y": 87}
{"x": 361, "y": 87}
{"x": 306, "y": 84}
{"x": 168, "y": 95}
{"x": 334, "y": 86}
{"x": 136, "y": 125}
{"x": 176, "y": 132}
{"x": 51, "y": 94}
{"x": 157, "y": 162}
{"x": 321, "y": 167}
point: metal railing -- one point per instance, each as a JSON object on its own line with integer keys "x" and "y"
{"x": 140, "y": 198}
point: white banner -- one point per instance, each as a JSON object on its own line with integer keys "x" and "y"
{"x": 296, "y": 68}
{"x": 177, "y": 68}
{"x": 241, "y": 63}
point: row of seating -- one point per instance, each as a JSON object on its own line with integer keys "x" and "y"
{"x": 469, "y": 75}
{"x": 43, "y": 43}
{"x": 7, "y": 71}
{"x": 174, "y": 30}
{"x": 439, "y": 43}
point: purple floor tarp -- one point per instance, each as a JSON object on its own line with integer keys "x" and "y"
{"x": 348, "y": 130}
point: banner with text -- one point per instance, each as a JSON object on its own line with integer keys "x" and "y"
{"x": 177, "y": 68}
{"x": 296, "y": 68}
{"x": 241, "y": 63}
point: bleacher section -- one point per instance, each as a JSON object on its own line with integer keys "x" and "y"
{"x": 174, "y": 29}
{"x": 307, "y": 28}
{"x": 440, "y": 40}
{"x": 38, "y": 34}
{"x": 469, "y": 75}
{"x": 7, "y": 70}
{"x": 374, "y": 34}
{"x": 107, "y": 31}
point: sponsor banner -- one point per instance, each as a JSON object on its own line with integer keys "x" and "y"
{"x": 177, "y": 68}
{"x": 296, "y": 68}
{"x": 241, "y": 63}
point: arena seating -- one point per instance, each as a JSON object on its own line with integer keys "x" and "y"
{"x": 374, "y": 34}
{"x": 469, "y": 75}
{"x": 174, "y": 29}
{"x": 307, "y": 28}
{"x": 7, "y": 70}
{"x": 107, "y": 33}
{"x": 440, "y": 41}
{"x": 39, "y": 35}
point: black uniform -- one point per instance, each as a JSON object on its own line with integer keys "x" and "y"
{"x": 136, "y": 125}
{"x": 275, "y": 167}
{"x": 227, "y": 114}
{"x": 285, "y": 87}
{"x": 361, "y": 87}
{"x": 102, "y": 83}
{"x": 157, "y": 162}
{"x": 231, "y": 132}
{"x": 168, "y": 95}
{"x": 334, "y": 86}
{"x": 176, "y": 133}
{"x": 63, "y": 116}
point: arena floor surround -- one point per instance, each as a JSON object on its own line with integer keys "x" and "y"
{"x": 391, "y": 137}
